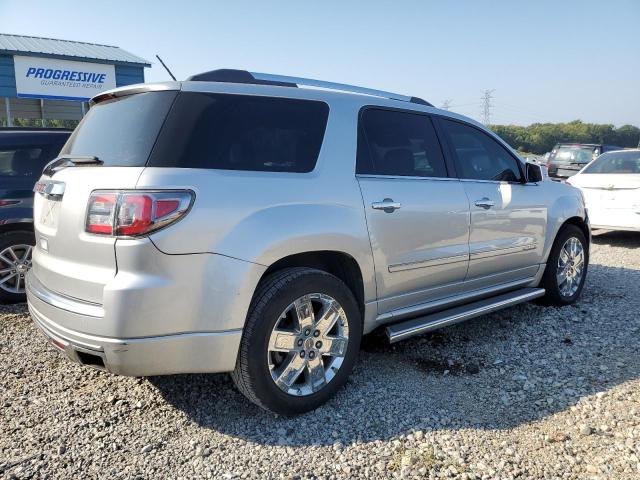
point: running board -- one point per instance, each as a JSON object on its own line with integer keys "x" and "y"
{"x": 433, "y": 321}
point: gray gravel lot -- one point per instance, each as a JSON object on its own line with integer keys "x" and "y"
{"x": 530, "y": 392}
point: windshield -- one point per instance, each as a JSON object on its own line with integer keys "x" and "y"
{"x": 575, "y": 154}
{"x": 616, "y": 162}
{"x": 121, "y": 132}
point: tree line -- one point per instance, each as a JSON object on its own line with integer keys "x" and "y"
{"x": 540, "y": 138}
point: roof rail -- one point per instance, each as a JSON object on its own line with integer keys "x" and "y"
{"x": 243, "y": 76}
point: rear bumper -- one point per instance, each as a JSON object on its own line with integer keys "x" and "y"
{"x": 614, "y": 219}
{"x": 160, "y": 355}
{"x": 616, "y": 228}
{"x": 159, "y": 314}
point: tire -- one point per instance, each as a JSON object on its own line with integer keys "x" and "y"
{"x": 12, "y": 289}
{"x": 281, "y": 300}
{"x": 558, "y": 294}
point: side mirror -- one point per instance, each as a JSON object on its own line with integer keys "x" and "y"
{"x": 534, "y": 172}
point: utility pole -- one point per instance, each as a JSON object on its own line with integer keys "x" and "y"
{"x": 446, "y": 104}
{"x": 486, "y": 106}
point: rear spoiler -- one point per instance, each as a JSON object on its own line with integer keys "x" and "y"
{"x": 134, "y": 89}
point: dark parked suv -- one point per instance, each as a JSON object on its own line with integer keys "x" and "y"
{"x": 23, "y": 154}
{"x": 567, "y": 159}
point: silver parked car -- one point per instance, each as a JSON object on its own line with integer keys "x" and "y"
{"x": 240, "y": 222}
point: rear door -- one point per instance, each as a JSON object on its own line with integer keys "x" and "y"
{"x": 418, "y": 217}
{"x": 508, "y": 217}
{"x": 119, "y": 134}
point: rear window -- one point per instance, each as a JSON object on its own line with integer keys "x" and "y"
{"x": 121, "y": 132}
{"x": 241, "y": 132}
{"x": 616, "y": 162}
{"x": 574, "y": 154}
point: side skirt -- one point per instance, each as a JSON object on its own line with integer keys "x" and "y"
{"x": 427, "y": 323}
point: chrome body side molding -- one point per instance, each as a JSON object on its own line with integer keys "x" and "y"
{"x": 427, "y": 263}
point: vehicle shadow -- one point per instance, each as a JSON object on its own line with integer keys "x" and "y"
{"x": 496, "y": 372}
{"x": 616, "y": 238}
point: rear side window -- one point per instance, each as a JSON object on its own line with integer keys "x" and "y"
{"x": 398, "y": 143}
{"x": 25, "y": 161}
{"x": 121, "y": 132}
{"x": 478, "y": 156}
{"x": 241, "y": 132}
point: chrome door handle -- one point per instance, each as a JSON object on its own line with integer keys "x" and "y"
{"x": 485, "y": 203}
{"x": 388, "y": 205}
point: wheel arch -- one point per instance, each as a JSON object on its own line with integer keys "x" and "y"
{"x": 16, "y": 227}
{"x": 340, "y": 264}
{"x": 582, "y": 224}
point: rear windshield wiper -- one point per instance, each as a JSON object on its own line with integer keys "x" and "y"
{"x": 64, "y": 161}
{"x": 81, "y": 159}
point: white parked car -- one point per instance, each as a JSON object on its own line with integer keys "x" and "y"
{"x": 611, "y": 188}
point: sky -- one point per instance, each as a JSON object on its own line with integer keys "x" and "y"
{"x": 546, "y": 61}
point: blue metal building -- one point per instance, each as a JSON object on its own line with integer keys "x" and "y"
{"x": 45, "y": 78}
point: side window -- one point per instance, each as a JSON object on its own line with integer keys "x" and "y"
{"x": 25, "y": 161}
{"x": 241, "y": 132}
{"x": 478, "y": 156}
{"x": 398, "y": 143}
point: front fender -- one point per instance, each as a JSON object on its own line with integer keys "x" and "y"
{"x": 566, "y": 205}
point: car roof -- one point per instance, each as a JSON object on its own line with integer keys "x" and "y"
{"x": 573, "y": 144}
{"x": 331, "y": 97}
{"x": 34, "y": 130}
{"x": 31, "y": 136}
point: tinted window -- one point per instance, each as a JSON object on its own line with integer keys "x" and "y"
{"x": 616, "y": 162}
{"x": 25, "y": 161}
{"x": 574, "y": 154}
{"x": 398, "y": 143}
{"x": 240, "y": 132}
{"x": 478, "y": 156}
{"x": 121, "y": 132}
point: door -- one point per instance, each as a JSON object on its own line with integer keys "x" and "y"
{"x": 418, "y": 217}
{"x": 508, "y": 217}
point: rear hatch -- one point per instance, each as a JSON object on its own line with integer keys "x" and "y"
{"x": 567, "y": 160}
{"x": 108, "y": 150}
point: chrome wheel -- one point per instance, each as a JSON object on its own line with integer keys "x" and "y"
{"x": 570, "y": 267}
{"x": 15, "y": 261}
{"x": 308, "y": 344}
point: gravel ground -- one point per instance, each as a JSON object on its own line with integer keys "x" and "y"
{"x": 530, "y": 392}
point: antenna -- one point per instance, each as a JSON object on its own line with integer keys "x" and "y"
{"x": 166, "y": 68}
{"x": 446, "y": 104}
{"x": 486, "y": 106}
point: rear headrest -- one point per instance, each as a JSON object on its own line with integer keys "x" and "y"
{"x": 398, "y": 161}
{"x": 22, "y": 163}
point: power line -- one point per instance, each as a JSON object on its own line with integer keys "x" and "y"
{"x": 486, "y": 106}
{"x": 446, "y": 104}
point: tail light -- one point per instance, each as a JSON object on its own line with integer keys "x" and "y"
{"x": 136, "y": 212}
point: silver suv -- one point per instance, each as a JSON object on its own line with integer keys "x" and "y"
{"x": 242, "y": 222}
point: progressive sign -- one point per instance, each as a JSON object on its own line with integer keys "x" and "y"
{"x": 61, "y": 79}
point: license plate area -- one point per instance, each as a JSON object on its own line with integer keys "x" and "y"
{"x": 49, "y": 213}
